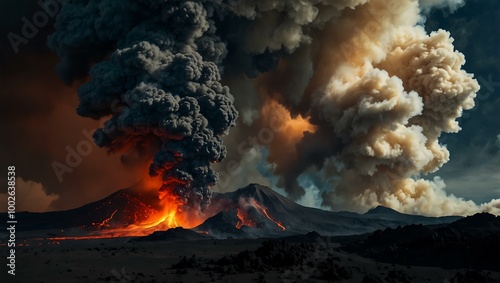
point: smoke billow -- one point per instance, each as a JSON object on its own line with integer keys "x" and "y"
{"x": 360, "y": 91}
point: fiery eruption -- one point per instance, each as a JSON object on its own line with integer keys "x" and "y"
{"x": 168, "y": 210}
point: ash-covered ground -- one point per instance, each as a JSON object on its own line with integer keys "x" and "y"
{"x": 381, "y": 245}
{"x": 301, "y": 258}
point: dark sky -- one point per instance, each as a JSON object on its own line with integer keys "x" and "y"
{"x": 474, "y": 169}
{"x": 39, "y": 123}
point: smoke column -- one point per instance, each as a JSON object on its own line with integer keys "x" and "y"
{"x": 156, "y": 79}
{"x": 362, "y": 91}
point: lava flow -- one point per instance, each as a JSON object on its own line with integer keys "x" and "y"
{"x": 172, "y": 212}
{"x": 264, "y": 211}
{"x": 136, "y": 218}
{"x": 246, "y": 220}
{"x": 105, "y": 222}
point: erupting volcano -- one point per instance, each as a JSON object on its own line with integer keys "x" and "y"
{"x": 344, "y": 99}
{"x": 244, "y": 137}
{"x": 172, "y": 213}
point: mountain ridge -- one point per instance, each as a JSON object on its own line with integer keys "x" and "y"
{"x": 267, "y": 208}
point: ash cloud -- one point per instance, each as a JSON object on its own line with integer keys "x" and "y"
{"x": 161, "y": 74}
{"x": 363, "y": 91}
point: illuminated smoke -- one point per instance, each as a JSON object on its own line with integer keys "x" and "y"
{"x": 378, "y": 91}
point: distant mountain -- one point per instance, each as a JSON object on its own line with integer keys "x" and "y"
{"x": 382, "y": 212}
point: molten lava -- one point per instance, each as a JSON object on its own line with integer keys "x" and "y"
{"x": 246, "y": 220}
{"x": 105, "y": 222}
{"x": 172, "y": 212}
{"x": 263, "y": 210}
{"x": 166, "y": 212}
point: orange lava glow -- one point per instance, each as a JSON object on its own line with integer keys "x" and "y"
{"x": 245, "y": 220}
{"x": 171, "y": 214}
{"x": 104, "y": 223}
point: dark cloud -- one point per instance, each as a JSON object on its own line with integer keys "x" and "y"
{"x": 473, "y": 151}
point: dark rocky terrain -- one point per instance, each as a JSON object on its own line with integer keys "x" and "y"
{"x": 471, "y": 242}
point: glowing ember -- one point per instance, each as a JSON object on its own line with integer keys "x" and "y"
{"x": 105, "y": 222}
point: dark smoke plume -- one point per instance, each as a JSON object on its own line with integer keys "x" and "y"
{"x": 156, "y": 78}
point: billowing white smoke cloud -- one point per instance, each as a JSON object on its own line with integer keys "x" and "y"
{"x": 381, "y": 85}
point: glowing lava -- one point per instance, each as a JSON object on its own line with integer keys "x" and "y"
{"x": 172, "y": 213}
{"x": 105, "y": 222}
{"x": 264, "y": 212}
{"x": 246, "y": 220}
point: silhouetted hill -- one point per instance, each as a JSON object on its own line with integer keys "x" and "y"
{"x": 471, "y": 242}
{"x": 382, "y": 212}
{"x": 174, "y": 234}
{"x": 119, "y": 209}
